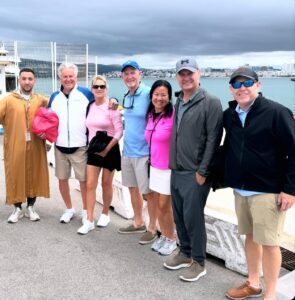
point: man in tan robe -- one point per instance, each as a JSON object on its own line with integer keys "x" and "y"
{"x": 25, "y": 159}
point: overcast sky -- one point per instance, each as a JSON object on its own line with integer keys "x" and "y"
{"x": 218, "y": 33}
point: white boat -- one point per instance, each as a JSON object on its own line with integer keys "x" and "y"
{"x": 8, "y": 71}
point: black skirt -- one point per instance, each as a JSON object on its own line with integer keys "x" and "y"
{"x": 111, "y": 161}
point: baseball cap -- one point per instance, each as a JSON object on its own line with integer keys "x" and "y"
{"x": 187, "y": 64}
{"x": 243, "y": 72}
{"x": 130, "y": 63}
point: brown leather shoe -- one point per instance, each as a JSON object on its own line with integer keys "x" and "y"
{"x": 243, "y": 292}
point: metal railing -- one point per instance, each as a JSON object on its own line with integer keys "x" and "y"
{"x": 44, "y": 58}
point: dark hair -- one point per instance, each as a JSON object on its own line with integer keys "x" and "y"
{"x": 168, "y": 110}
{"x": 26, "y": 70}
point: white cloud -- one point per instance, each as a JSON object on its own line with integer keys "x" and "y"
{"x": 166, "y": 61}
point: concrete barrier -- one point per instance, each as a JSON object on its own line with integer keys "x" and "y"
{"x": 286, "y": 287}
{"x": 224, "y": 241}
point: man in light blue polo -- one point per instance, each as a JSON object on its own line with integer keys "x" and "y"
{"x": 136, "y": 152}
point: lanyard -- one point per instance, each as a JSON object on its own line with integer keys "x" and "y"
{"x": 155, "y": 124}
{"x": 27, "y": 105}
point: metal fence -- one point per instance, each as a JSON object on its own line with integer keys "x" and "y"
{"x": 44, "y": 58}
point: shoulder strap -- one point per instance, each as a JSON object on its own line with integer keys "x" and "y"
{"x": 155, "y": 125}
{"x": 87, "y": 131}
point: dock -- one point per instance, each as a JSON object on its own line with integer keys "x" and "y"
{"x": 49, "y": 260}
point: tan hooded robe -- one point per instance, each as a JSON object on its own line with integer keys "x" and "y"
{"x": 26, "y": 167}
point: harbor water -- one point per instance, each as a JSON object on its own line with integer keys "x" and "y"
{"x": 280, "y": 89}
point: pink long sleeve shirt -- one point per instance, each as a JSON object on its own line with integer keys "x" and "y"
{"x": 101, "y": 118}
{"x": 160, "y": 142}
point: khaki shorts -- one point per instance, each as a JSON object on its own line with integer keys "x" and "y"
{"x": 65, "y": 162}
{"x": 260, "y": 215}
{"x": 135, "y": 173}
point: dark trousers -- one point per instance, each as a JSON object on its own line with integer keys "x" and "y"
{"x": 188, "y": 201}
{"x": 30, "y": 202}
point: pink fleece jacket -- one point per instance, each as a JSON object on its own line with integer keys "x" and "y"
{"x": 160, "y": 142}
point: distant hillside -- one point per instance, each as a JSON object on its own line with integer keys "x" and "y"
{"x": 44, "y": 68}
{"x": 105, "y": 68}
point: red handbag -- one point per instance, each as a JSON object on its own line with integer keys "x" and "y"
{"x": 46, "y": 122}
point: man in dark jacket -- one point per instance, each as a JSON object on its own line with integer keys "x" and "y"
{"x": 260, "y": 167}
{"x": 196, "y": 134}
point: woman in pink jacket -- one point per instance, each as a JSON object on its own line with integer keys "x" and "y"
{"x": 158, "y": 133}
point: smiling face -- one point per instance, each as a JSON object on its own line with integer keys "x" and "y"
{"x": 99, "y": 89}
{"x": 245, "y": 95}
{"x": 68, "y": 79}
{"x": 131, "y": 78}
{"x": 26, "y": 82}
{"x": 188, "y": 81}
{"x": 160, "y": 98}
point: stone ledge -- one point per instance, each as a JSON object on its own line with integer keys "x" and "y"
{"x": 286, "y": 287}
{"x": 223, "y": 240}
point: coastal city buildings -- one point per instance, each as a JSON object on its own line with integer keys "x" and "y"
{"x": 286, "y": 70}
{"x": 45, "y": 57}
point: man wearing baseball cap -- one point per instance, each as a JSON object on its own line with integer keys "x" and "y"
{"x": 136, "y": 153}
{"x": 196, "y": 135}
{"x": 259, "y": 166}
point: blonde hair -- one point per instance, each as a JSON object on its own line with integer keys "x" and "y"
{"x": 99, "y": 77}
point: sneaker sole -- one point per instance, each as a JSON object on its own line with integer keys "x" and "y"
{"x": 13, "y": 222}
{"x": 194, "y": 279}
{"x": 177, "y": 267}
{"x": 80, "y": 233}
{"x": 167, "y": 253}
{"x": 131, "y": 232}
{"x": 33, "y": 220}
{"x": 99, "y": 225}
{"x": 250, "y": 296}
{"x": 147, "y": 242}
{"x": 64, "y": 222}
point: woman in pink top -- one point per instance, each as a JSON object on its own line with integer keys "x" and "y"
{"x": 158, "y": 133}
{"x": 100, "y": 118}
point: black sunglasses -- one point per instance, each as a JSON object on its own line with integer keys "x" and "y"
{"x": 238, "y": 84}
{"x": 97, "y": 86}
{"x": 131, "y": 102}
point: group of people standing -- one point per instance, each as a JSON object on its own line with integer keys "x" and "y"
{"x": 167, "y": 157}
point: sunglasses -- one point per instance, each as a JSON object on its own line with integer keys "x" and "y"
{"x": 96, "y": 86}
{"x": 131, "y": 100}
{"x": 238, "y": 84}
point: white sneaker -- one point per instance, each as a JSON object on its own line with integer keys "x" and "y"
{"x": 159, "y": 243}
{"x": 83, "y": 215}
{"x": 103, "y": 221}
{"x": 168, "y": 247}
{"x": 67, "y": 215}
{"x": 86, "y": 227}
{"x": 16, "y": 215}
{"x": 31, "y": 214}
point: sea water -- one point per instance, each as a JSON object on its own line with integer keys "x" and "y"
{"x": 278, "y": 89}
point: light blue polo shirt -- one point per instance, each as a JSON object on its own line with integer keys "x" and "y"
{"x": 135, "y": 144}
{"x": 242, "y": 115}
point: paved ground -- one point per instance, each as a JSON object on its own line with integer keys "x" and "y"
{"x": 49, "y": 260}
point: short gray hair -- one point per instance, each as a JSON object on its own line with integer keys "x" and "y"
{"x": 67, "y": 65}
